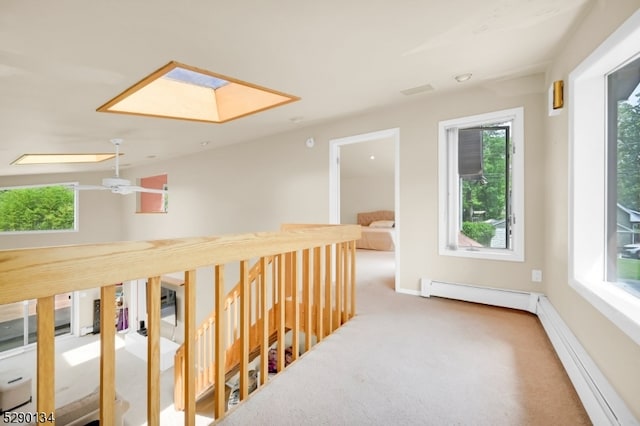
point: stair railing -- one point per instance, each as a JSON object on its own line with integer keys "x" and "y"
{"x": 313, "y": 280}
{"x": 205, "y": 336}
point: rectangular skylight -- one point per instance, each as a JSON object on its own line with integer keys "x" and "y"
{"x": 62, "y": 158}
{"x": 189, "y": 93}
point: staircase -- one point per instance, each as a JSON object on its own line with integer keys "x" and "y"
{"x": 310, "y": 292}
{"x": 205, "y": 343}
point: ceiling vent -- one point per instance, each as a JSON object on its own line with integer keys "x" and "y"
{"x": 416, "y": 90}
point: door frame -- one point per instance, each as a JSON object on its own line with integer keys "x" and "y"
{"x": 334, "y": 180}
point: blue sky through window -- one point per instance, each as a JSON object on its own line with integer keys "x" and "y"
{"x": 195, "y": 78}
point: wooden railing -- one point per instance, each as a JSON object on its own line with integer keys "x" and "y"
{"x": 318, "y": 286}
{"x": 312, "y": 272}
{"x": 205, "y": 334}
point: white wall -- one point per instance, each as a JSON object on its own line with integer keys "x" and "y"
{"x": 256, "y": 186}
{"x": 364, "y": 194}
{"x": 612, "y": 350}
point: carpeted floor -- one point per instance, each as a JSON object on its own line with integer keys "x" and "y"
{"x": 407, "y": 360}
{"x": 403, "y": 360}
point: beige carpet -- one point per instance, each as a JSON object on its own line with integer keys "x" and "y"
{"x": 407, "y": 360}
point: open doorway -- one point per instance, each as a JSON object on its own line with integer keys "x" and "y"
{"x": 364, "y": 178}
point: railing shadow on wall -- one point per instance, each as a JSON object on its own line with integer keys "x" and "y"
{"x": 302, "y": 280}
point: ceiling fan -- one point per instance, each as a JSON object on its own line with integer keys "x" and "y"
{"x": 116, "y": 184}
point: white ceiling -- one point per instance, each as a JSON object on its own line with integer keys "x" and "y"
{"x": 60, "y": 60}
{"x": 356, "y": 159}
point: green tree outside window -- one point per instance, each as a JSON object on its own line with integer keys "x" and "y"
{"x": 38, "y": 208}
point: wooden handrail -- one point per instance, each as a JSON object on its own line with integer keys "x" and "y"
{"x": 42, "y": 273}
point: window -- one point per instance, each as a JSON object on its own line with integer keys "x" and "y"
{"x": 623, "y": 188}
{"x": 149, "y": 202}
{"x": 38, "y": 208}
{"x": 603, "y": 181}
{"x": 481, "y": 172}
{"x": 19, "y": 324}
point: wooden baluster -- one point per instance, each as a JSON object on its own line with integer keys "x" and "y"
{"x": 306, "y": 297}
{"x": 220, "y": 324}
{"x": 274, "y": 294}
{"x": 338, "y": 285}
{"x": 211, "y": 342}
{"x": 295, "y": 301}
{"x": 281, "y": 311}
{"x": 153, "y": 351}
{"x": 46, "y": 391}
{"x": 317, "y": 295}
{"x": 229, "y": 325}
{"x": 264, "y": 344}
{"x": 236, "y": 317}
{"x": 244, "y": 331}
{"x": 327, "y": 290}
{"x": 345, "y": 282}
{"x": 199, "y": 361}
{"x": 189, "y": 347}
{"x": 178, "y": 380}
{"x": 353, "y": 278}
{"x": 107, "y": 354}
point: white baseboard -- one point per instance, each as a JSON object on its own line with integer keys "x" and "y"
{"x": 405, "y": 291}
{"x": 486, "y": 295}
{"x": 602, "y": 403}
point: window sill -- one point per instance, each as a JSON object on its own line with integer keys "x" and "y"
{"x": 488, "y": 254}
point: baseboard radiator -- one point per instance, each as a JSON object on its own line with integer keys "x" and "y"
{"x": 602, "y": 403}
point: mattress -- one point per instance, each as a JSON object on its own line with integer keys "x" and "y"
{"x": 377, "y": 239}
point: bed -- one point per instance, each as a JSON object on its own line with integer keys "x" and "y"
{"x": 378, "y": 230}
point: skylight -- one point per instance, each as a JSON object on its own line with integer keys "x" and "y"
{"x": 62, "y": 158}
{"x": 188, "y": 93}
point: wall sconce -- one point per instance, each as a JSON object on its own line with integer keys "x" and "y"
{"x": 558, "y": 97}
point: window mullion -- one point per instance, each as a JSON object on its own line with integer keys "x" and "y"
{"x": 453, "y": 190}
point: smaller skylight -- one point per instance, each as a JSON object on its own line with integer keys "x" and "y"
{"x": 62, "y": 158}
{"x": 188, "y": 93}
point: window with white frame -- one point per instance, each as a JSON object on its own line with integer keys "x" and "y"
{"x": 623, "y": 187}
{"x": 38, "y": 208}
{"x": 481, "y": 181}
{"x": 604, "y": 126}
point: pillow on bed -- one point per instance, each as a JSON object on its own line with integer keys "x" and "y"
{"x": 382, "y": 224}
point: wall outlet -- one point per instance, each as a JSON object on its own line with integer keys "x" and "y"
{"x": 536, "y": 275}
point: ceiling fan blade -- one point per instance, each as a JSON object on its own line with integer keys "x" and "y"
{"x": 149, "y": 190}
{"x": 86, "y": 187}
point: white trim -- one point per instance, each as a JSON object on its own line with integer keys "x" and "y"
{"x": 486, "y": 295}
{"x": 75, "y": 313}
{"x": 406, "y": 291}
{"x": 600, "y": 400}
{"x": 587, "y": 176}
{"x": 602, "y": 403}
{"x": 447, "y": 192}
{"x": 334, "y": 181}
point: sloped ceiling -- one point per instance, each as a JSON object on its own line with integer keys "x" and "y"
{"x": 61, "y": 60}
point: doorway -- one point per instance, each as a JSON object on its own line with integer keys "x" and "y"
{"x": 339, "y": 213}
